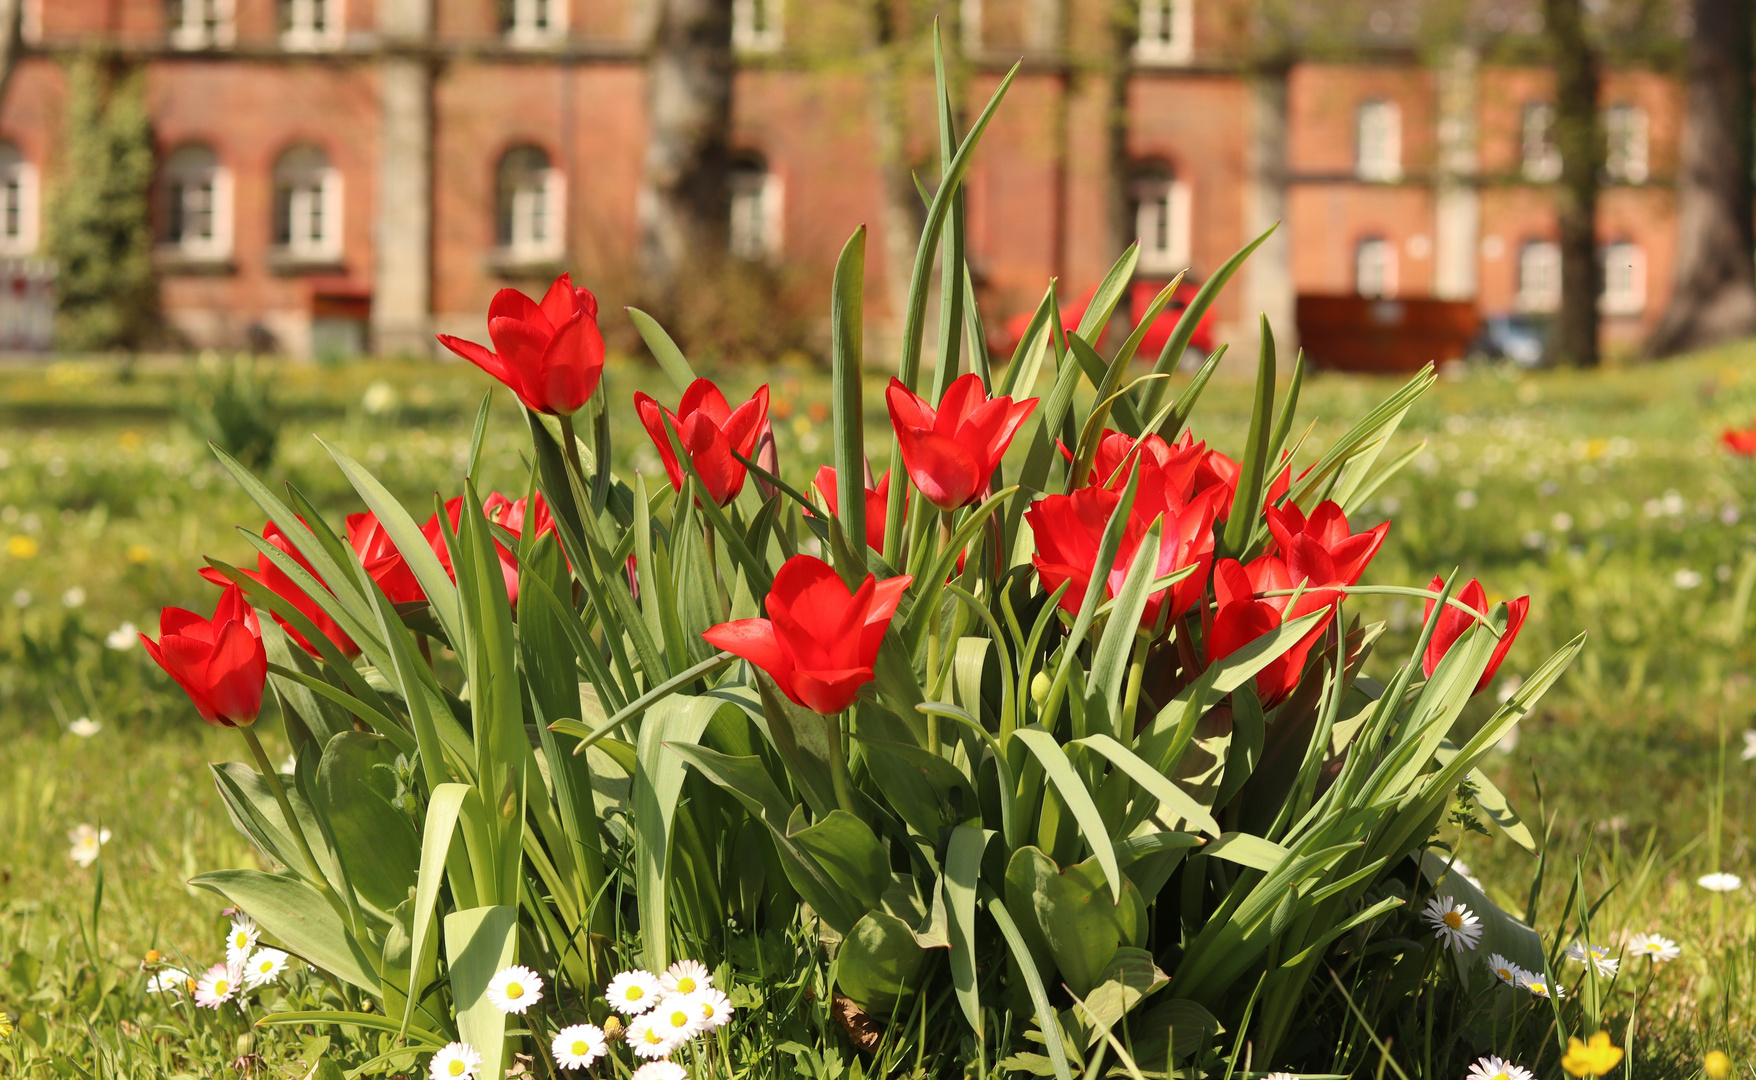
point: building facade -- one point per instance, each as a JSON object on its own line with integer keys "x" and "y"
{"x": 337, "y": 175}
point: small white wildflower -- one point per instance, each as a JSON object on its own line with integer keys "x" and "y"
{"x": 87, "y": 841}
{"x": 1453, "y": 923}
{"x": 686, "y": 977}
{"x": 241, "y": 939}
{"x": 1720, "y": 882}
{"x": 660, "y": 1070}
{"x": 1598, "y": 956}
{"x": 1658, "y": 949}
{"x": 1686, "y": 578}
{"x": 1536, "y": 983}
{"x": 515, "y": 989}
{"x": 216, "y": 987}
{"x": 1749, "y": 753}
{"x": 678, "y": 1018}
{"x": 84, "y": 727}
{"x": 715, "y": 1008}
{"x": 73, "y": 597}
{"x": 264, "y": 967}
{"x": 458, "y": 1061}
{"x": 647, "y": 1039}
{"x": 122, "y": 638}
{"x": 1497, "y": 1068}
{"x": 1504, "y": 970}
{"x": 633, "y": 992}
{"x": 577, "y": 1047}
{"x": 171, "y": 981}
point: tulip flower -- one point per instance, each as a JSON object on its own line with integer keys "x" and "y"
{"x": 219, "y": 662}
{"x": 1244, "y": 615}
{"x": 383, "y": 562}
{"x": 1216, "y": 472}
{"x": 512, "y": 515}
{"x": 819, "y": 641}
{"x": 277, "y": 581}
{"x": 495, "y": 502}
{"x": 1741, "y": 443}
{"x": 710, "y": 430}
{"x": 877, "y": 502}
{"x": 1320, "y": 549}
{"x": 1069, "y": 529}
{"x": 951, "y": 452}
{"x": 551, "y": 354}
{"x": 1453, "y": 624}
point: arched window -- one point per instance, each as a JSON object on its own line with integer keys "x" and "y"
{"x": 528, "y": 205}
{"x": 197, "y": 203}
{"x": 199, "y": 24}
{"x": 1378, "y": 146}
{"x": 307, "y": 205}
{"x": 309, "y": 25}
{"x": 1375, "y": 268}
{"x": 18, "y": 202}
{"x": 1167, "y": 32}
{"x": 756, "y": 210}
{"x": 1161, "y": 218}
{"x": 1539, "y": 277}
{"x": 533, "y": 22}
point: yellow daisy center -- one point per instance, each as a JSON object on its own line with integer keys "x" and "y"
{"x": 514, "y": 991}
{"x": 265, "y": 967}
{"x": 634, "y": 993}
{"x": 685, "y": 985}
{"x": 1453, "y": 920}
{"x": 679, "y": 1018}
{"x": 1501, "y": 1075}
{"x": 579, "y": 1047}
{"x": 652, "y": 1037}
{"x": 1504, "y": 973}
{"x": 220, "y": 986}
{"x": 456, "y": 1068}
{"x": 707, "y": 1010}
{"x": 242, "y": 940}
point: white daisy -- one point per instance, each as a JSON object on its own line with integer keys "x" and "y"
{"x": 1749, "y": 753}
{"x": 686, "y": 977}
{"x": 241, "y": 939}
{"x": 1598, "y": 956}
{"x": 1505, "y": 970}
{"x": 1660, "y": 950}
{"x": 714, "y": 1008}
{"x": 1497, "y": 1068}
{"x": 458, "y": 1061}
{"x": 264, "y": 967}
{"x": 646, "y": 1038}
{"x": 578, "y": 1046}
{"x": 86, "y": 841}
{"x": 1453, "y": 923}
{"x": 1720, "y": 882}
{"x": 122, "y": 638}
{"x": 1538, "y": 985}
{"x": 171, "y": 981}
{"x": 218, "y": 986}
{"x": 633, "y": 992}
{"x": 678, "y": 1018}
{"x": 515, "y": 989}
{"x": 660, "y": 1070}
{"x": 85, "y": 727}
{"x": 1281, "y": 1076}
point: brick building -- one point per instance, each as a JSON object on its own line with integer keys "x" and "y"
{"x": 341, "y": 172}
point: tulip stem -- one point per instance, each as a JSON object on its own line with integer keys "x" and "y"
{"x": 1131, "y": 697}
{"x": 570, "y": 447}
{"x": 272, "y": 779}
{"x": 838, "y": 766}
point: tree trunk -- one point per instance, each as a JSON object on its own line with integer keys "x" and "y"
{"x": 904, "y": 215}
{"x": 1575, "y": 337}
{"x": 685, "y": 197}
{"x": 11, "y": 23}
{"x": 1714, "y": 298}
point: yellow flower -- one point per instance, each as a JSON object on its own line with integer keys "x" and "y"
{"x": 1592, "y": 1058}
{"x": 21, "y": 547}
{"x": 1717, "y": 1065}
{"x": 139, "y": 553}
{"x": 6, "y": 1028}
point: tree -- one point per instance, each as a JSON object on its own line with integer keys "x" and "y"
{"x": 686, "y": 197}
{"x": 1714, "y": 298}
{"x": 1579, "y": 140}
{"x": 100, "y": 227}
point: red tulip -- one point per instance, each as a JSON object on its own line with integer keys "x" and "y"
{"x": 512, "y": 516}
{"x": 710, "y": 430}
{"x": 550, "y": 354}
{"x": 1320, "y": 550}
{"x": 951, "y": 452}
{"x": 277, "y": 581}
{"x": 1243, "y": 616}
{"x": 819, "y": 641}
{"x": 1069, "y": 528}
{"x": 219, "y": 662}
{"x": 1454, "y": 623}
{"x": 877, "y": 503}
{"x": 1216, "y": 472}
{"x": 454, "y": 511}
{"x": 1742, "y": 443}
{"x": 383, "y": 563}
{"x": 1163, "y": 467}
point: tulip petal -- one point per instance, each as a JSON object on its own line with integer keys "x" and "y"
{"x": 236, "y": 672}
{"x": 829, "y": 692}
{"x": 560, "y": 302}
{"x": 571, "y": 367}
{"x": 945, "y": 472}
{"x": 962, "y": 397}
{"x": 514, "y": 305}
{"x": 721, "y": 474}
{"x": 704, "y": 396}
{"x": 654, "y": 417}
{"x": 482, "y": 357}
{"x": 755, "y": 641}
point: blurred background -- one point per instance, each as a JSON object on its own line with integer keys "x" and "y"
{"x": 1545, "y": 181}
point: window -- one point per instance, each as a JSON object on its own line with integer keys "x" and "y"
{"x": 1375, "y": 268}
{"x": 756, "y": 211}
{"x": 1625, "y": 144}
{"x": 1379, "y": 147}
{"x": 1161, "y": 219}
{"x": 307, "y": 206}
{"x": 1624, "y": 268}
{"x": 197, "y": 196}
{"x": 18, "y": 202}
{"x": 310, "y": 24}
{"x": 1167, "y": 32}
{"x": 533, "y": 22}
{"x": 200, "y": 24}
{"x": 1541, "y": 159}
{"x": 756, "y": 25}
{"x": 1539, "y": 277}
{"x": 528, "y": 206}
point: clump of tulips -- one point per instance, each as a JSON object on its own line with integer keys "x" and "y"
{"x": 1065, "y": 706}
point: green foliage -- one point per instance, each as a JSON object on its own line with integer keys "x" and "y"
{"x": 231, "y": 407}
{"x": 99, "y": 220}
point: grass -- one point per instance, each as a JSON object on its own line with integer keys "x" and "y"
{"x": 1605, "y": 497}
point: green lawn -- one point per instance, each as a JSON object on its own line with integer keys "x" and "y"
{"x": 1604, "y": 497}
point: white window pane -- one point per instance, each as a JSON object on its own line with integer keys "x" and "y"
{"x": 1379, "y": 141}
{"x": 1375, "y": 268}
{"x": 1166, "y": 31}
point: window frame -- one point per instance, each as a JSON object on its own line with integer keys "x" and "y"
{"x": 1153, "y": 19}
{"x": 301, "y": 181}
{"x": 1527, "y": 297}
{"x": 520, "y": 30}
{"x": 513, "y": 243}
{"x": 304, "y": 36}
{"x": 1627, "y": 143}
{"x": 173, "y": 179}
{"x": 22, "y": 171}
{"x": 1539, "y": 159}
{"x": 1159, "y": 191}
{"x": 764, "y": 243}
{"x": 1385, "y": 166}
{"x": 1630, "y": 302}
{"x": 1388, "y": 271}
{"x": 746, "y": 38}
{"x": 214, "y": 27}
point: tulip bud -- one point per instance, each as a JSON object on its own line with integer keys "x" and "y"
{"x": 1039, "y": 688}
